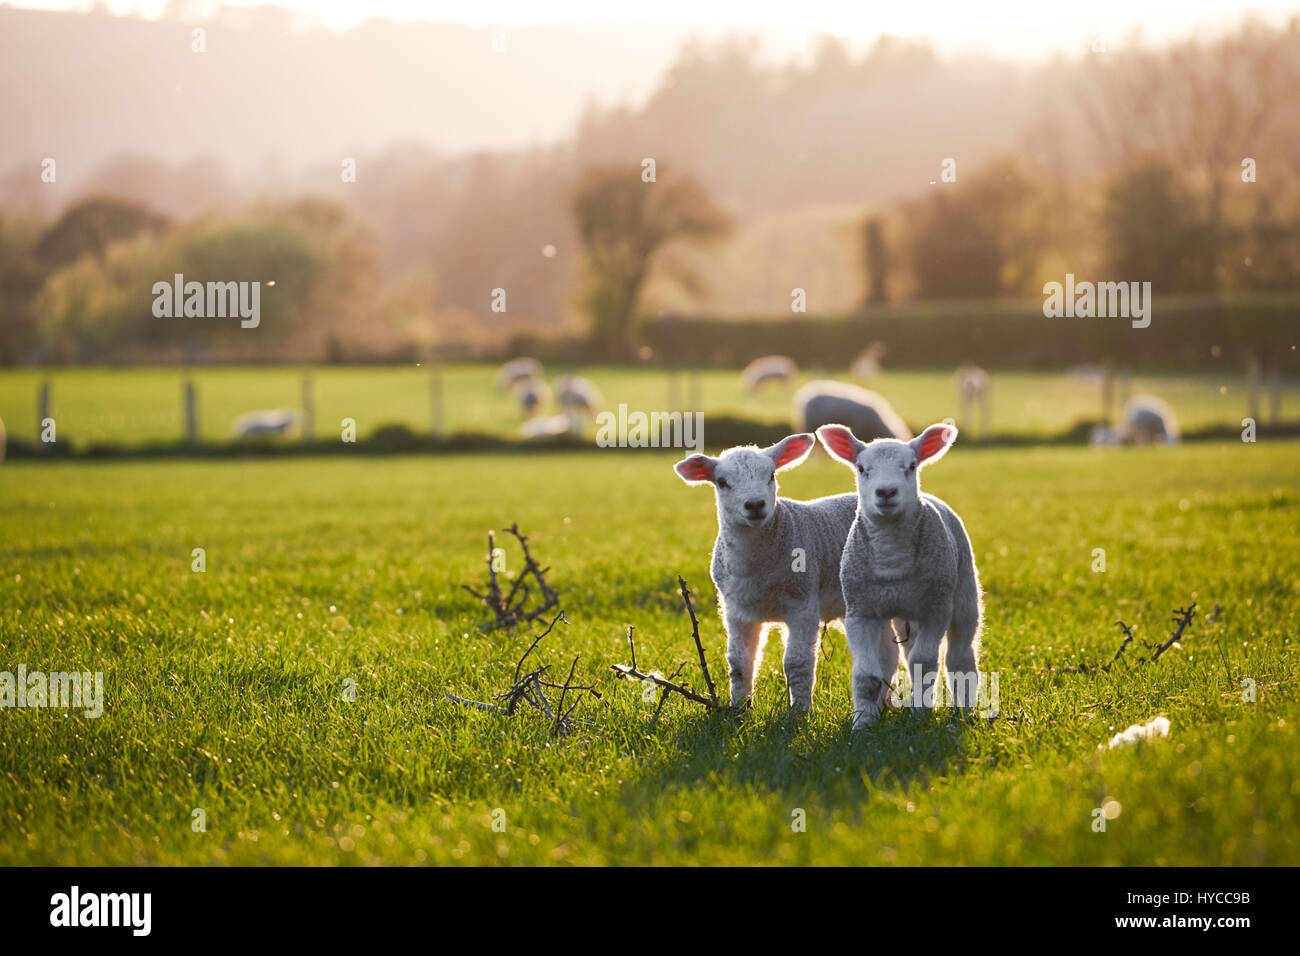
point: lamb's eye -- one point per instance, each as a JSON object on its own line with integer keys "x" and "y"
{"x": 861, "y": 470}
{"x": 722, "y": 483}
{"x": 772, "y": 479}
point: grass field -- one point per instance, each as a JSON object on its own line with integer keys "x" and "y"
{"x": 223, "y": 689}
{"x": 136, "y": 406}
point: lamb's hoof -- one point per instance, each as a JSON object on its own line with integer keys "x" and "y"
{"x": 864, "y": 720}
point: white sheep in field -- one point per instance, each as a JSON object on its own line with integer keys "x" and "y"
{"x": 825, "y": 403}
{"x": 1148, "y": 421}
{"x": 867, "y": 364}
{"x": 530, "y": 393}
{"x": 775, "y": 560}
{"x": 518, "y": 370}
{"x": 278, "y": 421}
{"x": 973, "y": 390}
{"x": 907, "y": 555}
{"x": 769, "y": 368}
{"x": 550, "y": 426}
{"x": 577, "y": 396}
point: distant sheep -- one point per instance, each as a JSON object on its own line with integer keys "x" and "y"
{"x": 549, "y": 426}
{"x": 827, "y": 403}
{"x": 279, "y": 421}
{"x": 775, "y": 560}
{"x": 518, "y": 370}
{"x": 867, "y": 364}
{"x": 576, "y": 395}
{"x": 907, "y": 555}
{"x": 530, "y": 393}
{"x": 769, "y": 368}
{"x": 1147, "y": 421}
{"x": 972, "y": 391}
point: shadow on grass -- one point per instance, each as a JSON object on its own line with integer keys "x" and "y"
{"x": 777, "y": 753}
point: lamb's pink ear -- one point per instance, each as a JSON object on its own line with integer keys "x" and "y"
{"x": 696, "y": 470}
{"x": 933, "y": 443}
{"x": 791, "y": 451}
{"x": 841, "y": 442}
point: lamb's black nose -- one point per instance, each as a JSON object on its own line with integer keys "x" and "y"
{"x": 885, "y": 494}
{"x": 755, "y": 504}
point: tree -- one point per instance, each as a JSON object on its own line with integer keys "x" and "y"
{"x": 91, "y": 226}
{"x": 875, "y": 260}
{"x": 623, "y": 222}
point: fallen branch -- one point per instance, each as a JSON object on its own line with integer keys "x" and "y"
{"x": 669, "y": 685}
{"x": 531, "y": 688}
{"x": 1128, "y": 639}
{"x": 1183, "y": 617}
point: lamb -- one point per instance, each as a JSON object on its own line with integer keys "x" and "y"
{"x": 516, "y": 371}
{"x": 825, "y": 403}
{"x": 769, "y": 368}
{"x": 973, "y": 390}
{"x": 775, "y": 560}
{"x": 279, "y": 421}
{"x": 577, "y": 395}
{"x": 529, "y": 393}
{"x": 1148, "y": 421}
{"x": 867, "y": 364}
{"x": 907, "y": 555}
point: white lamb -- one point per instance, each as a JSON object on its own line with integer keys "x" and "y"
{"x": 907, "y": 555}
{"x": 516, "y": 371}
{"x": 826, "y": 402}
{"x": 1149, "y": 420}
{"x": 775, "y": 560}
{"x": 529, "y": 393}
{"x": 769, "y": 368}
{"x": 279, "y": 421}
{"x": 577, "y": 396}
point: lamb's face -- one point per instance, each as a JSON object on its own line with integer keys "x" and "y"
{"x": 888, "y": 487}
{"x": 887, "y": 469}
{"x": 744, "y": 481}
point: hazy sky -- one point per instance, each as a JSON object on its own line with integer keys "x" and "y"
{"x": 1023, "y": 29}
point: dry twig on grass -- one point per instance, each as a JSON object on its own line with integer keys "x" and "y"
{"x": 669, "y": 685}
{"x": 531, "y": 688}
{"x": 509, "y": 608}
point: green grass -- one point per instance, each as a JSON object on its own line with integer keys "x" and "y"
{"x": 141, "y": 405}
{"x": 223, "y": 689}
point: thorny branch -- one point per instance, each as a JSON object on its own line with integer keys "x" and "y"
{"x": 670, "y": 685}
{"x": 509, "y": 608}
{"x": 531, "y": 688}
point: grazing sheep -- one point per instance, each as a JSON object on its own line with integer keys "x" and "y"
{"x": 867, "y": 364}
{"x": 550, "y": 426}
{"x": 530, "y": 393}
{"x": 576, "y": 395}
{"x": 973, "y": 390}
{"x": 907, "y": 555}
{"x": 1148, "y": 421}
{"x": 518, "y": 370}
{"x": 279, "y": 421}
{"x": 769, "y": 368}
{"x": 827, "y": 403}
{"x": 775, "y": 560}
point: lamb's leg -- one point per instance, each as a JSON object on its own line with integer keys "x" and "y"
{"x": 742, "y": 656}
{"x": 962, "y": 661}
{"x": 923, "y": 660}
{"x": 802, "y": 641}
{"x": 875, "y": 662}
